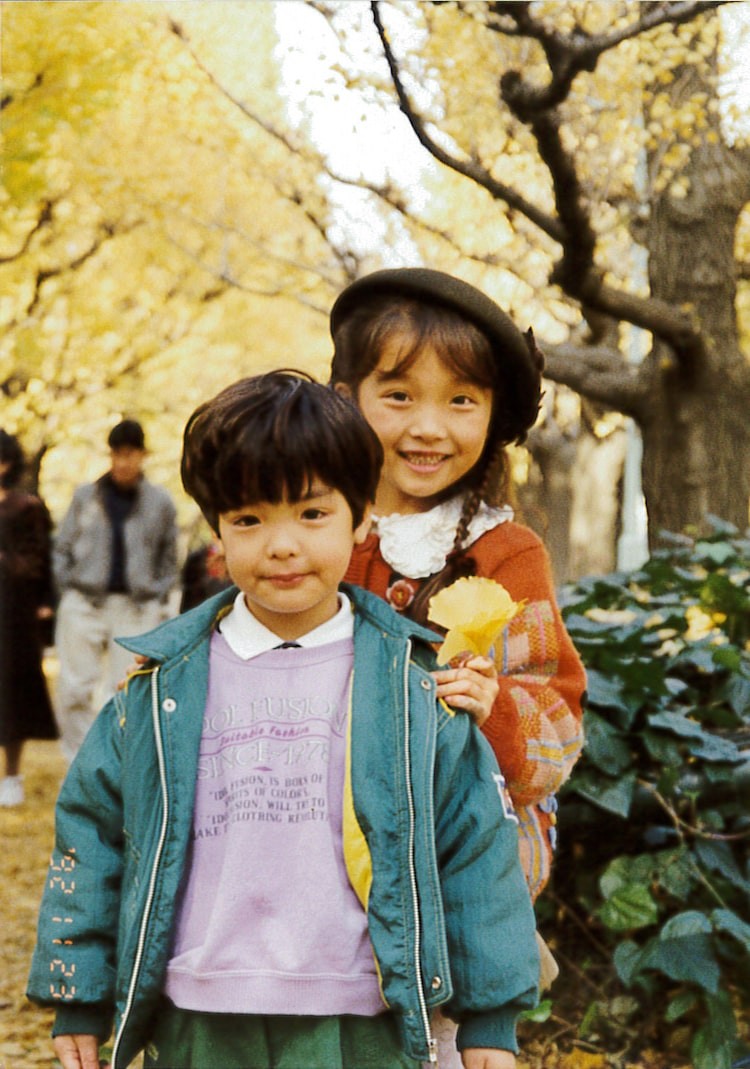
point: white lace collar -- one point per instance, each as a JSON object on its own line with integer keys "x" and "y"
{"x": 417, "y": 545}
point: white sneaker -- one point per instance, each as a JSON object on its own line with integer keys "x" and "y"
{"x": 11, "y": 791}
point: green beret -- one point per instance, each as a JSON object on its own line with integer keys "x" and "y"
{"x": 519, "y": 363}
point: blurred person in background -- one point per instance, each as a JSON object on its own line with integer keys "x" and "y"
{"x": 203, "y": 575}
{"x": 26, "y": 600}
{"x": 115, "y": 563}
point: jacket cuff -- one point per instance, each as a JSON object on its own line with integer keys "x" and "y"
{"x": 495, "y": 1029}
{"x": 91, "y": 1019}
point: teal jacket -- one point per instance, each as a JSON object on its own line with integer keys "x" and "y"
{"x": 428, "y": 845}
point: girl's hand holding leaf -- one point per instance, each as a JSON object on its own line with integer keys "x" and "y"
{"x": 474, "y": 611}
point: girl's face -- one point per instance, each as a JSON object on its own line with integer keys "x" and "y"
{"x": 432, "y": 423}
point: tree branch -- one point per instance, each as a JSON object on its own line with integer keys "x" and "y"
{"x": 45, "y": 217}
{"x": 569, "y": 54}
{"x": 470, "y": 168}
{"x": 598, "y": 373}
{"x": 384, "y": 192}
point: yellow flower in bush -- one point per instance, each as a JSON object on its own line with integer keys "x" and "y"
{"x": 474, "y": 611}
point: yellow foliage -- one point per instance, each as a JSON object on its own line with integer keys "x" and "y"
{"x": 171, "y": 251}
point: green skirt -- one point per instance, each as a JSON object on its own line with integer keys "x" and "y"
{"x": 183, "y": 1039}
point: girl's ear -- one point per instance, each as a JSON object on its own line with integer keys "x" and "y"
{"x": 343, "y": 389}
{"x": 363, "y": 529}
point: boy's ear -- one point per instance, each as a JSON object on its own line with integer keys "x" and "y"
{"x": 343, "y": 389}
{"x": 363, "y": 529}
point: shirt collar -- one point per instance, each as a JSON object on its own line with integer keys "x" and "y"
{"x": 417, "y": 544}
{"x": 247, "y": 637}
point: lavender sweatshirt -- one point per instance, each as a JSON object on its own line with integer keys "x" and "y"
{"x": 268, "y": 922}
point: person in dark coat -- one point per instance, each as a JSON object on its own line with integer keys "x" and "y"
{"x": 26, "y": 601}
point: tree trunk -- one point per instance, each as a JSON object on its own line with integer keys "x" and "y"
{"x": 695, "y": 424}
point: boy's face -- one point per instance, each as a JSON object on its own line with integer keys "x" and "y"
{"x": 288, "y": 559}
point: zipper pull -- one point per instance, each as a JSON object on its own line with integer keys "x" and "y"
{"x": 432, "y": 1047}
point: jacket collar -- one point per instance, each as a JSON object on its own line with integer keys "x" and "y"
{"x": 379, "y": 613}
{"x": 172, "y": 638}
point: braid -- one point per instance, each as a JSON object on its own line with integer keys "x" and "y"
{"x": 493, "y": 485}
{"x": 458, "y": 563}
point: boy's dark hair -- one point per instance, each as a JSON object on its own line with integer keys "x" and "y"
{"x": 128, "y": 434}
{"x": 10, "y": 453}
{"x": 270, "y": 436}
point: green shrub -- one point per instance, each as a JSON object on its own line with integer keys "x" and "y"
{"x": 655, "y": 819}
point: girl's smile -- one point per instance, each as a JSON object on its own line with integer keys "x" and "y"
{"x": 425, "y": 461}
{"x": 431, "y": 422}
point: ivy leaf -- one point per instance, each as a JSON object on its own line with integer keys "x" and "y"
{"x": 663, "y": 748}
{"x": 717, "y": 552}
{"x": 678, "y": 724}
{"x": 713, "y": 1042}
{"x": 606, "y": 691}
{"x": 700, "y": 657}
{"x": 615, "y": 796}
{"x": 539, "y": 1014}
{"x": 679, "y": 1006}
{"x": 713, "y": 748}
{"x": 629, "y": 908}
{"x": 626, "y": 870}
{"x": 708, "y": 1051}
{"x": 684, "y": 951}
{"x": 627, "y": 959}
{"x": 724, "y": 920}
{"x": 737, "y": 693}
{"x": 605, "y": 744}
{"x": 718, "y": 857}
{"x": 676, "y": 873}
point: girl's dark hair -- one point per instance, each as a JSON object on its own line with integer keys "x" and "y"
{"x": 366, "y": 319}
{"x": 10, "y": 453}
{"x": 271, "y": 436}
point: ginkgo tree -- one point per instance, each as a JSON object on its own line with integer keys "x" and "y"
{"x": 153, "y": 246}
{"x": 601, "y": 139}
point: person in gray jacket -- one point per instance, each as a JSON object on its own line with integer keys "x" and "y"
{"x": 114, "y": 562}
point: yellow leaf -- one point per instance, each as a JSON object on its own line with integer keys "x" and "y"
{"x": 581, "y": 1059}
{"x": 475, "y": 611}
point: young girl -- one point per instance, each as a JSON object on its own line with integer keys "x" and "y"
{"x": 447, "y": 381}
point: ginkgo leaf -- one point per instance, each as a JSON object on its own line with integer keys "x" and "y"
{"x": 475, "y": 611}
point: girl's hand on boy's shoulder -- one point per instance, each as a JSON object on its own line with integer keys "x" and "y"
{"x": 469, "y": 684}
{"x": 488, "y": 1058}
{"x": 78, "y": 1052}
{"x": 135, "y": 666}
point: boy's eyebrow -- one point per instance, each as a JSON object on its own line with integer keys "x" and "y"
{"x": 315, "y": 491}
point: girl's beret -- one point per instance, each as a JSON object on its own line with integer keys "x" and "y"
{"x": 519, "y": 361}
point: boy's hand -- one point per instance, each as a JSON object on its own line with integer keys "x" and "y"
{"x": 488, "y": 1058}
{"x": 77, "y": 1051}
{"x": 469, "y": 684}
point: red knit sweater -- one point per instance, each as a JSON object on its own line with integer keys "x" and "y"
{"x": 535, "y": 725}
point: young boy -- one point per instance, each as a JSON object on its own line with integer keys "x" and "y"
{"x": 276, "y": 848}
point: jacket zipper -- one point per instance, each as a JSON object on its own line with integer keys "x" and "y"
{"x": 157, "y": 858}
{"x": 431, "y": 1044}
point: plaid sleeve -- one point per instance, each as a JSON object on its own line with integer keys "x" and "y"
{"x": 535, "y": 728}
